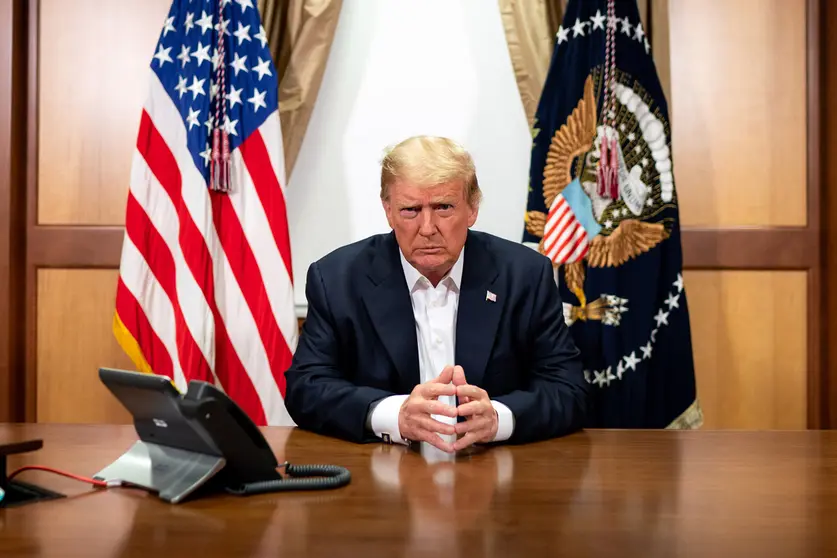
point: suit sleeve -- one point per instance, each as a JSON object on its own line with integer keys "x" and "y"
{"x": 554, "y": 402}
{"x": 318, "y": 395}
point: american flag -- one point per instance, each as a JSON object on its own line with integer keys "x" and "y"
{"x": 564, "y": 239}
{"x": 205, "y": 288}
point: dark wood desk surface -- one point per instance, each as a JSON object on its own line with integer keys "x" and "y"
{"x": 597, "y": 493}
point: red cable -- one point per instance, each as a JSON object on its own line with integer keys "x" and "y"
{"x": 94, "y": 482}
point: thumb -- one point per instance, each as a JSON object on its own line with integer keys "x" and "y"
{"x": 445, "y": 376}
{"x": 459, "y": 376}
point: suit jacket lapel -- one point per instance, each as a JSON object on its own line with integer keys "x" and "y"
{"x": 477, "y": 316}
{"x": 391, "y": 310}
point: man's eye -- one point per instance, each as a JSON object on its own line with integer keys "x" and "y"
{"x": 408, "y": 211}
{"x": 444, "y": 206}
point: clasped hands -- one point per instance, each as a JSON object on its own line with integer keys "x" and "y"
{"x": 416, "y": 423}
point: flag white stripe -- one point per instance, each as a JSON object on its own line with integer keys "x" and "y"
{"x": 277, "y": 283}
{"x": 568, "y": 249}
{"x": 240, "y": 324}
{"x": 160, "y": 210}
{"x": 155, "y": 303}
{"x": 271, "y": 131}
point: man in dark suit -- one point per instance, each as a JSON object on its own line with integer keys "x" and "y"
{"x": 433, "y": 332}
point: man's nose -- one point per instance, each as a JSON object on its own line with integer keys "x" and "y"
{"x": 427, "y": 225}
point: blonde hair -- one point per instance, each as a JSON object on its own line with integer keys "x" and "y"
{"x": 430, "y": 161}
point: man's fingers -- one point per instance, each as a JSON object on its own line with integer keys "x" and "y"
{"x": 433, "y": 390}
{"x": 467, "y": 440}
{"x": 434, "y": 407}
{"x": 458, "y": 376}
{"x": 432, "y": 425}
{"x": 472, "y": 392}
{"x": 473, "y": 408}
{"x": 476, "y": 424}
{"x": 445, "y": 376}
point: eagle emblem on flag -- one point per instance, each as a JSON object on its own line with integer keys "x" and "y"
{"x": 602, "y": 207}
{"x": 578, "y": 141}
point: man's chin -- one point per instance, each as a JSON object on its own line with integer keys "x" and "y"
{"x": 431, "y": 263}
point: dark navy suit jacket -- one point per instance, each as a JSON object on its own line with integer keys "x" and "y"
{"x": 358, "y": 343}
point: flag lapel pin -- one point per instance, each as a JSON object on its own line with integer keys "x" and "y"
{"x": 490, "y": 296}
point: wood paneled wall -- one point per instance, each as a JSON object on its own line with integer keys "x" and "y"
{"x": 745, "y": 101}
{"x": 741, "y": 143}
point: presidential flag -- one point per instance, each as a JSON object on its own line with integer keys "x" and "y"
{"x": 603, "y": 207}
{"x": 205, "y": 286}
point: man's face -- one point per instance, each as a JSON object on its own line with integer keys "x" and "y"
{"x": 430, "y": 224}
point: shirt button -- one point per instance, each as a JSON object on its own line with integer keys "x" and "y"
{"x": 437, "y": 340}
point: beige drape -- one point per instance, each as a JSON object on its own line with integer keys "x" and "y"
{"x": 299, "y": 33}
{"x": 531, "y": 25}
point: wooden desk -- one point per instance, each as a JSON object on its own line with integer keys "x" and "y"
{"x": 597, "y": 493}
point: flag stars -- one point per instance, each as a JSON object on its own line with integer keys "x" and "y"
{"x": 213, "y": 90}
{"x": 234, "y": 96}
{"x": 183, "y": 56}
{"x": 205, "y": 22}
{"x": 229, "y": 125}
{"x": 650, "y": 202}
{"x": 261, "y": 36}
{"x": 620, "y": 369}
{"x": 638, "y": 149}
{"x": 201, "y": 53}
{"x": 197, "y": 87}
{"x": 612, "y": 22}
{"x": 181, "y": 86}
{"x": 578, "y": 28}
{"x": 168, "y": 26}
{"x": 205, "y": 155}
{"x": 631, "y": 136}
{"x": 661, "y": 318}
{"x": 210, "y": 124}
{"x": 679, "y": 283}
{"x": 631, "y": 361}
{"x": 222, "y": 26}
{"x": 639, "y": 32}
{"x": 608, "y": 224}
{"x": 646, "y": 351}
{"x": 162, "y": 55}
{"x": 672, "y": 301}
{"x": 598, "y": 21}
{"x": 216, "y": 59}
{"x": 242, "y": 33}
{"x": 192, "y": 119}
{"x": 262, "y": 68}
{"x": 257, "y": 100}
{"x": 244, "y": 4}
{"x": 238, "y": 63}
{"x": 189, "y": 23}
{"x": 627, "y": 28}
{"x": 563, "y": 34}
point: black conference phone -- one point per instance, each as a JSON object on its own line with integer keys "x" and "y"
{"x": 199, "y": 442}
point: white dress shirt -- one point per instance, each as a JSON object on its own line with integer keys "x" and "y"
{"x": 435, "y": 310}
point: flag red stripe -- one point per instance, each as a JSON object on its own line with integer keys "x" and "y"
{"x": 228, "y": 367}
{"x": 134, "y": 319}
{"x": 157, "y": 255}
{"x": 257, "y": 160}
{"x": 249, "y": 277}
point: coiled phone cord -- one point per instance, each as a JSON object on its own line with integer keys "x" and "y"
{"x": 305, "y": 477}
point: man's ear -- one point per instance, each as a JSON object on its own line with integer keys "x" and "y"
{"x": 472, "y": 216}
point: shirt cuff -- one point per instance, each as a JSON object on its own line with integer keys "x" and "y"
{"x": 384, "y": 419}
{"x": 505, "y": 422}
